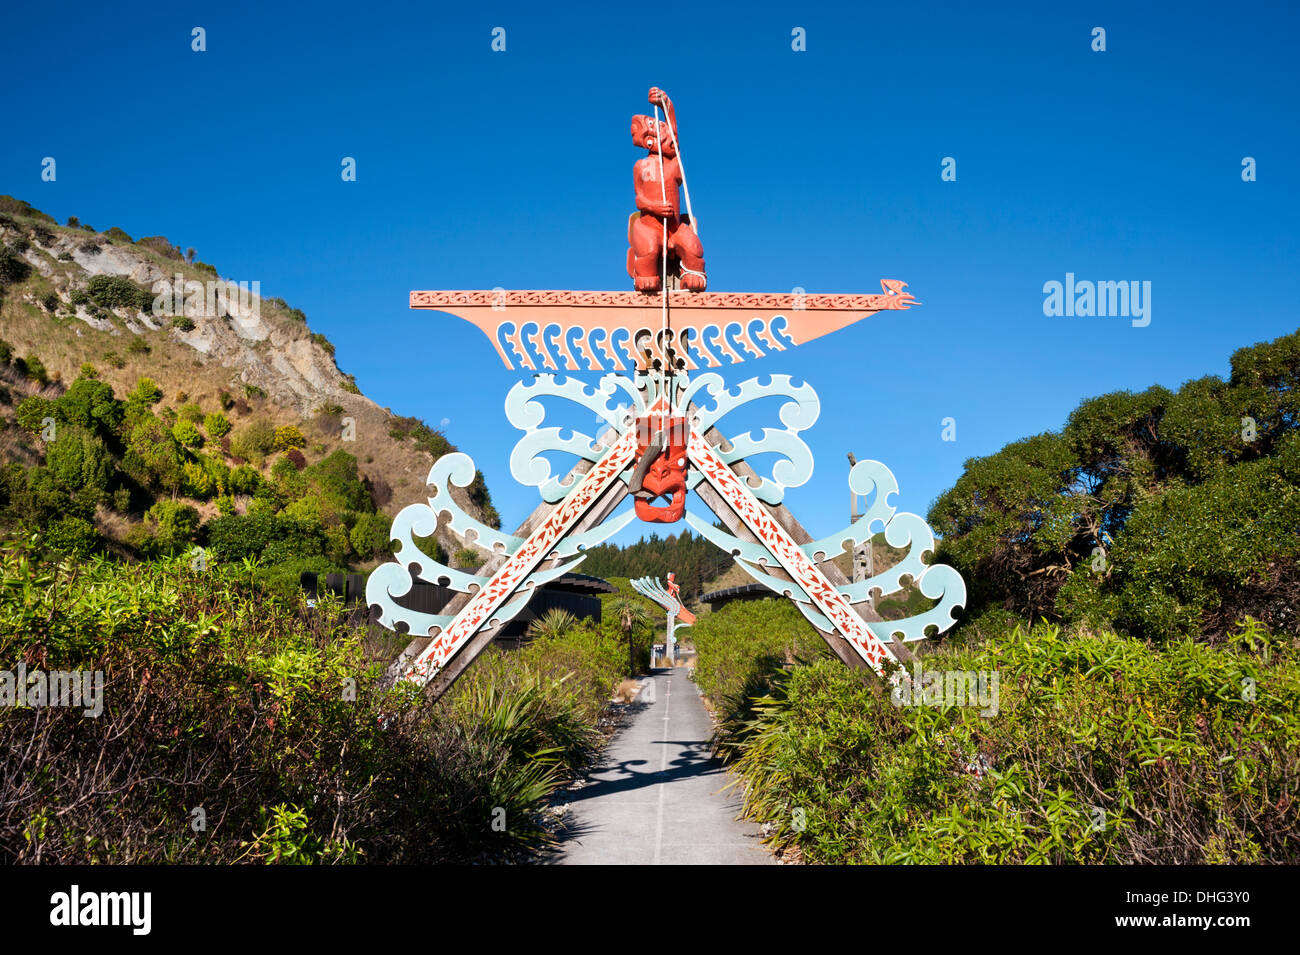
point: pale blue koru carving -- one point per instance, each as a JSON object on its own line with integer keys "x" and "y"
{"x": 395, "y": 578}
{"x": 656, "y": 591}
{"x": 936, "y": 581}
{"x": 713, "y": 401}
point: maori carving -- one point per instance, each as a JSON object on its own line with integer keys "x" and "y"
{"x": 598, "y": 331}
{"x": 659, "y": 220}
{"x": 937, "y": 582}
{"x": 651, "y": 420}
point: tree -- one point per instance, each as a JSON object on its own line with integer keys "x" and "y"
{"x": 146, "y": 392}
{"x": 1157, "y": 512}
{"x": 631, "y": 613}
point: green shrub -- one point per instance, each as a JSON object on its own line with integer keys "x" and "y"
{"x": 72, "y": 535}
{"x": 1191, "y": 754}
{"x": 216, "y": 424}
{"x": 253, "y": 442}
{"x": 187, "y": 434}
{"x": 369, "y": 536}
{"x": 146, "y": 392}
{"x": 80, "y": 462}
{"x": 14, "y": 269}
{"x": 338, "y": 483}
{"x": 160, "y": 245}
{"x": 245, "y": 480}
{"x": 118, "y": 291}
{"x": 33, "y": 368}
{"x": 243, "y": 701}
{"x": 289, "y": 437}
{"x": 175, "y": 525}
{"x": 742, "y": 644}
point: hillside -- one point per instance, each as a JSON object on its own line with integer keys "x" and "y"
{"x": 76, "y": 303}
{"x": 701, "y": 568}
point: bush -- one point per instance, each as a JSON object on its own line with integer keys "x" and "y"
{"x": 1185, "y": 766}
{"x": 369, "y": 536}
{"x": 146, "y": 392}
{"x": 160, "y": 245}
{"x": 118, "y": 291}
{"x": 253, "y": 442}
{"x": 72, "y": 535}
{"x": 175, "y": 526}
{"x": 80, "y": 462}
{"x": 289, "y": 437}
{"x": 187, "y": 435}
{"x": 242, "y": 702}
{"x": 216, "y": 424}
{"x": 742, "y": 644}
{"x": 337, "y": 483}
{"x": 34, "y": 369}
{"x": 183, "y": 323}
{"x": 244, "y": 480}
{"x": 14, "y": 269}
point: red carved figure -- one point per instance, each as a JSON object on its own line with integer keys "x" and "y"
{"x": 655, "y": 179}
{"x": 660, "y": 470}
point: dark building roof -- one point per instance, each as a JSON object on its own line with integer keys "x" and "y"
{"x": 582, "y": 584}
{"x": 744, "y": 592}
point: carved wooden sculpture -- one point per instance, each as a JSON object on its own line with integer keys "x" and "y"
{"x": 662, "y": 440}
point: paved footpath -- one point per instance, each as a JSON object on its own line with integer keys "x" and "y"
{"x": 655, "y": 798}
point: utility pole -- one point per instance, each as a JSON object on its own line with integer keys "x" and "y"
{"x": 863, "y": 559}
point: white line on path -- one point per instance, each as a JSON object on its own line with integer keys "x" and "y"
{"x": 663, "y": 765}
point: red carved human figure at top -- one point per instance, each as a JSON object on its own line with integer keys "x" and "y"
{"x": 656, "y": 179}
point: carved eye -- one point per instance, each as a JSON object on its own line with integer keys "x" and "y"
{"x": 681, "y": 462}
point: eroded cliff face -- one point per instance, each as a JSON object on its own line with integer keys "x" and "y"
{"x": 212, "y": 337}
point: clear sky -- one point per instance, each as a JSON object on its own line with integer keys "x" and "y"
{"x": 819, "y": 169}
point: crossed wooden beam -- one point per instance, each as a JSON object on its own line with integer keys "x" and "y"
{"x": 593, "y": 330}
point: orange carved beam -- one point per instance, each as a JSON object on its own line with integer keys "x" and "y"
{"x": 709, "y": 329}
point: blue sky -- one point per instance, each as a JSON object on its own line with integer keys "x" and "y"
{"x": 818, "y": 169}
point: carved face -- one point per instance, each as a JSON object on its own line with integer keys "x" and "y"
{"x": 646, "y": 132}
{"x": 665, "y": 480}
